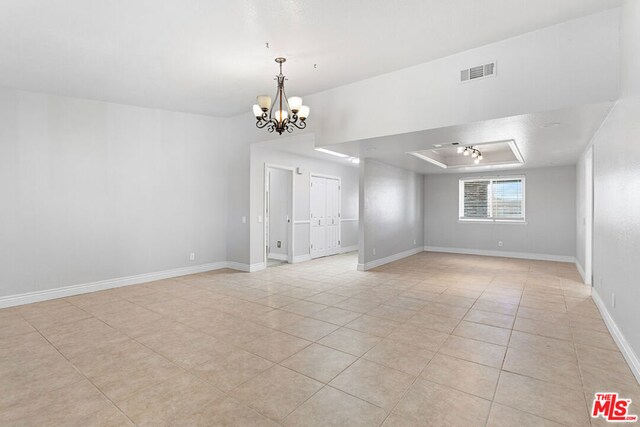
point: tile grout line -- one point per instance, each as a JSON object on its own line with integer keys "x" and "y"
{"x": 83, "y": 374}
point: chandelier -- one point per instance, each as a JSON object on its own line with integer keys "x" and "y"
{"x": 471, "y": 151}
{"x": 281, "y": 114}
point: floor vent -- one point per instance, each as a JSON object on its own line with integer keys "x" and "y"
{"x": 478, "y": 72}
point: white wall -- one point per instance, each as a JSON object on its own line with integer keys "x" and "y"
{"x": 616, "y": 251}
{"x": 391, "y": 216}
{"x": 93, "y": 191}
{"x": 550, "y": 204}
{"x": 537, "y": 71}
{"x": 261, "y": 154}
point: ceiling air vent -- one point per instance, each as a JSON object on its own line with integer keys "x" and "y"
{"x": 478, "y": 72}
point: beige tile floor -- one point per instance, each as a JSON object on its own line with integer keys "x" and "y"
{"x": 434, "y": 339}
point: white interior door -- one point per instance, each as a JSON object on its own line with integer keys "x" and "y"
{"x": 333, "y": 217}
{"x": 318, "y": 198}
{"x": 325, "y": 216}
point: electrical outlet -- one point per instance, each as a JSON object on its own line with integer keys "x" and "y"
{"x": 192, "y": 256}
{"x": 415, "y": 242}
{"x": 613, "y": 300}
{"x": 374, "y": 251}
{"x": 500, "y": 243}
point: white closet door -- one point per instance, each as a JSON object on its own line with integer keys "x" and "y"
{"x": 325, "y": 216}
{"x": 318, "y": 197}
{"x": 333, "y": 216}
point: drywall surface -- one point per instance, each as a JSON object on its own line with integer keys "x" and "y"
{"x": 550, "y": 210}
{"x": 392, "y": 212}
{"x": 537, "y": 71}
{"x": 94, "y": 191}
{"x": 616, "y": 157}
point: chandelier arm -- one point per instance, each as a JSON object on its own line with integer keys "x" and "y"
{"x": 261, "y": 124}
{"x": 300, "y": 125}
{"x": 286, "y": 100}
{"x": 275, "y": 98}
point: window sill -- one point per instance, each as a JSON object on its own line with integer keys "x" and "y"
{"x": 491, "y": 221}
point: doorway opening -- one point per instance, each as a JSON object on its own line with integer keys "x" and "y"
{"x": 278, "y": 214}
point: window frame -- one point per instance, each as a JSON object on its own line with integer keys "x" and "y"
{"x": 461, "y": 217}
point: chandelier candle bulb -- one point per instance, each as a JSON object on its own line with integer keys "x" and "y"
{"x": 264, "y": 101}
{"x": 304, "y": 112}
{"x": 257, "y": 111}
{"x": 295, "y": 102}
{"x": 281, "y": 115}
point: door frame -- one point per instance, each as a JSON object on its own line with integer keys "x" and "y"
{"x": 265, "y": 201}
{"x": 588, "y": 232}
{"x": 321, "y": 175}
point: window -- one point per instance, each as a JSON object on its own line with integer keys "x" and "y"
{"x": 492, "y": 199}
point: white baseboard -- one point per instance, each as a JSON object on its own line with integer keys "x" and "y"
{"x": 66, "y": 291}
{"x": 307, "y": 257}
{"x": 346, "y": 249}
{"x": 505, "y": 254}
{"x": 625, "y": 348}
{"x": 237, "y": 266}
{"x": 301, "y": 258}
{"x": 279, "y": 257}
{"x": 386, "y": 260}
{"x": 582, "y": 273}
{"x": 257, "y": 267}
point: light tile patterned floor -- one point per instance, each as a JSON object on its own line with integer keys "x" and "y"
{"x": 434, "y": 339}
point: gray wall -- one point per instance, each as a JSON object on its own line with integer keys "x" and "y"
{"x": 550, "y": 215}
{"x": 391, "y": 211}
{"x": 93, "y": 191}
{"x": 261, "y": 153}
{"x": 616, "y": 266}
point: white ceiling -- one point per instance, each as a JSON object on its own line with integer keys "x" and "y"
{"x": 550, "y": 138}
{"x": 209, "y": 56}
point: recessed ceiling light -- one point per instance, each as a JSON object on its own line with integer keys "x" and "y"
{"x": 355, "y": 160}
{"x": 437, "y": 145}
{"x": 333, "y": 153}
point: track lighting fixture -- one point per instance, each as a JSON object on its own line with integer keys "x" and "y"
{"x": 475, "y": 154}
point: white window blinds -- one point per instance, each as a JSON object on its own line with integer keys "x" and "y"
{"x": 492, "y": 199}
